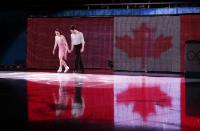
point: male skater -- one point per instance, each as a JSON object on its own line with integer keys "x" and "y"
{"x": 77, "y": 44}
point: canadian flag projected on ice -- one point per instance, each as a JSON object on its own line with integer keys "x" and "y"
{"x": 147, "y": 42}
{"x": 147, "y": 101}
{"x": 145, "y": 98}
{"x": 128, "y": 101}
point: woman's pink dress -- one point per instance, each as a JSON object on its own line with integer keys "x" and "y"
{"x": 62, "y": 51}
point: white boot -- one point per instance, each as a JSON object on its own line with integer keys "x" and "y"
{"x": 66, "y": 68}
{"x": 59, "y": 70}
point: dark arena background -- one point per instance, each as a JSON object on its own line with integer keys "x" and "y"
{"x": 141, "y": 66}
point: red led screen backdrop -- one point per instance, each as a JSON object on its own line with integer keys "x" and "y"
{"x": 144, "y": 43}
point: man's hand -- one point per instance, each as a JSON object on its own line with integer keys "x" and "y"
{"x": 82, "y": 49}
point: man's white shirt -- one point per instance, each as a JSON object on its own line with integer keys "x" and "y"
{"x": 77, "y": 38}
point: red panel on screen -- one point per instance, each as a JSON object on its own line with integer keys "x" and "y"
{"x": 98, "y": 34}
{"x": 190, "y": 30}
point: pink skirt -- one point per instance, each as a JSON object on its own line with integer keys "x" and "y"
{"x": 62, "y": 53}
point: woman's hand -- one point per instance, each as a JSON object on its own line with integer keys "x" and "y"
{"x": 53, "y": 52}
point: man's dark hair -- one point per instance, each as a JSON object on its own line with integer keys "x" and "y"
{"x": 72, "y": 27}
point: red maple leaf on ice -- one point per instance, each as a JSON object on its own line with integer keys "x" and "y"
{"x": 144, "y": 43}
{"x": 145, "y": 99}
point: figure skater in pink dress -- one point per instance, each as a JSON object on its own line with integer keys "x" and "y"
{"x": 61, "y": 42}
